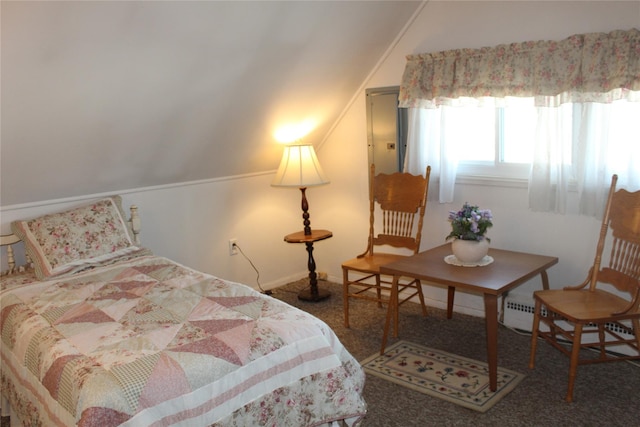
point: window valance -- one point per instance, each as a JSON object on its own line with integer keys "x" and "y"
{"x": 599, "y": 67}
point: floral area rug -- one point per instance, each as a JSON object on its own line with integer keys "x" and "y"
{"x": 443, "y": 375}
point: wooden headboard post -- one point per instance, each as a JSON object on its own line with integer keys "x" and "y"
{"x": 11, "y": 261}
{"x": 135, "y": 224}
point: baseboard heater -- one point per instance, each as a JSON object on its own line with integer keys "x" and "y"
{"x": 518, "y": 314}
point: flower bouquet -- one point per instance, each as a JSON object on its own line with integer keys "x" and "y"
{"x": 470, "y": 223}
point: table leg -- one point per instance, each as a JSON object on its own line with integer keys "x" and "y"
{"x": 545, "y": 279}
{"x": 451, "y": 293}
{"x": 491, "y": 325}
{"x": 392, "y": 313}
{"x": 312, "y": 293}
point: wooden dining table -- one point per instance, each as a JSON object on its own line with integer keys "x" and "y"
{"x": 507, "y": 270}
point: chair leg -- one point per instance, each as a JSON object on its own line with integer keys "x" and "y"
{"x": 345, "y": 295}
{"x": 635, "y": 323}
{"x": 553, "y": 329}
{"x": 601, "y": 337}
{"x": 394, "y": 301}
{"x": 575, "y": 356}
{"x": 534, "y": 334}
{"x": 379, "y": 290}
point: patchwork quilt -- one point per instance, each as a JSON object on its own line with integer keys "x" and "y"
{"x": 151, "y": 342}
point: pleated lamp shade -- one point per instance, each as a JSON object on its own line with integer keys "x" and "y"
{"x": 299, "y": 167}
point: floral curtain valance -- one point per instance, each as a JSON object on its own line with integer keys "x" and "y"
{"x": 587, "y": 67}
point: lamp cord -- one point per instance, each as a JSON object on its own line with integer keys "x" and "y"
{"x": 268, "y": 292}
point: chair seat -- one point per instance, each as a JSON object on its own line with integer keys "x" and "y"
{"x": 371, "y": 263}
{"x": 582, "y": 305}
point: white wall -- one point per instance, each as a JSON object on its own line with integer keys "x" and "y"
{"x": 445, "y": 25}
{"x": 192, "y": 223}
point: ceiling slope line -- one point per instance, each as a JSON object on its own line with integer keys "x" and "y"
{"x": 375, "y": 69}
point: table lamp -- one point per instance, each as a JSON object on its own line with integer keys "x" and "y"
{"x": 300, "y": 168}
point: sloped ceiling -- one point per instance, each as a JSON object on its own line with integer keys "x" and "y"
{"x": 107, "y": 96}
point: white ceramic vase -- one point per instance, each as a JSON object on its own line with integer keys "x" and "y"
{"x": 469, "y": 251}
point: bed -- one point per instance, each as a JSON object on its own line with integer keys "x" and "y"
{"x": 98, "y": 331}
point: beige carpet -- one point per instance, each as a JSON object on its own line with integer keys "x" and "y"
{"x": 440, "y": 374}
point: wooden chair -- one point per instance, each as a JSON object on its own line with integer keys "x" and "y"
{"x": 401, "y": 198}
{"x": 611, "y": 315}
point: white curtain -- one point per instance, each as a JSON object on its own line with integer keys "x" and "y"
{"x": 551, "y": 172}
{"x": 426, "y": 145}
{"x": 581, "y": 145}
{"x": 578, "y": 146}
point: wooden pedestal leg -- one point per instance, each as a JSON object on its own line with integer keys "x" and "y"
{"x": 312, "y": 293}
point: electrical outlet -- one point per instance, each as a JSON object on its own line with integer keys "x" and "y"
{"x": 233, "y": 248}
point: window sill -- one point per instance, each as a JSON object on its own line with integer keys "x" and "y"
{"x": 491, "y": 181}
{"x": 498, "y": 181}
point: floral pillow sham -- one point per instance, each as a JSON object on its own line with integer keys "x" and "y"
{"x": 66, "y": 241}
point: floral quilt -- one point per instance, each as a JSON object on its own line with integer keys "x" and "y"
{"x": 151, "y": 342}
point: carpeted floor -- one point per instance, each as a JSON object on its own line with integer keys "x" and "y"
{"x": 605, "y": 394}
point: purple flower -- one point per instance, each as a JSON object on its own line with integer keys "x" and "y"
{"x": 469, "y": 223}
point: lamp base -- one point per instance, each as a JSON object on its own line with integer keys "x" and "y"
{"x": 312, "y": 295}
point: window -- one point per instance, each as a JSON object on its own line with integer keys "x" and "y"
{"x": 499, "y": 141}
{"x": 495, "y": 141}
